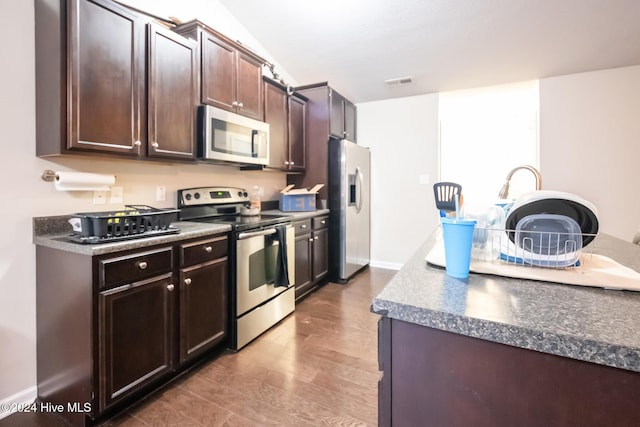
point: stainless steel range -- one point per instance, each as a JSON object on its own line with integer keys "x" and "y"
{"x": 262, "y": 273}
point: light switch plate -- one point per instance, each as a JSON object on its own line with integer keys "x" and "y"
{"x": 161, "y": 194}
{"x": 117, "y": 195}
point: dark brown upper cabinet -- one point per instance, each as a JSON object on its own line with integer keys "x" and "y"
{"x": 297, "y": 125}
{"x": 90, "y": 78}
{"x": 342, "y": 116}
{"x": 91, "y": 83}
{"x": 230, "y": 74}
{"x": 328, "y": 115}
{"x": 286, "y": 115}
{"x": 172, "y": 95}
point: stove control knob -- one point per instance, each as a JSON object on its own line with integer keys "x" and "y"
{"x": 188, "y": 196}
{"x": 239, "y": 193}
{"x": 245, "y": 194}
{"x": 196, "y": 195}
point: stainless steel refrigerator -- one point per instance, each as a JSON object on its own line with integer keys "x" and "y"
{"x": 349, "y": 203}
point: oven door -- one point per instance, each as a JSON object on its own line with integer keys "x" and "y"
{"x": 256, "y": 267}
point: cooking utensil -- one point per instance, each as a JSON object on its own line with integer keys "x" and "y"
{"x": 445, "y": 195}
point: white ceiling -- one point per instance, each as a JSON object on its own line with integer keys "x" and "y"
{"x": 442, "y": 44}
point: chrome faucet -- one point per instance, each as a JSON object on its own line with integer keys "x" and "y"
{"x": 504, "y": 191}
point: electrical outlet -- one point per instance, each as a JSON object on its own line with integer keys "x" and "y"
{"x": 161, "y": 194}
{"x": 99, "y": 197}
{"x": 117, "y": 195}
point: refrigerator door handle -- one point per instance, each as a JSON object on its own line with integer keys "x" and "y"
{"x": 359, "y": 184}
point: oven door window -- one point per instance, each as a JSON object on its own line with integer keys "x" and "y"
{"x": 262, "y": 264}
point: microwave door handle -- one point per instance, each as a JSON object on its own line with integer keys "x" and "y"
{"x": 254, "y": 133}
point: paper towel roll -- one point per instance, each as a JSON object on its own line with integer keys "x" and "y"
{"x": 81, "y": 181}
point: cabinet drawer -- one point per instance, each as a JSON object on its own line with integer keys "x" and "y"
{"x": 132, "y": 268}
{"x": 320, "y": 222}
{"x": 302, "y": 227}
{"x": 203, "y": 251}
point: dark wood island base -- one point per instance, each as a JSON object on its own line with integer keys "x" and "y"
{"x": 437, "y": 378}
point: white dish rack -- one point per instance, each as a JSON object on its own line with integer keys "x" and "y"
{"x": 552, "y": 249}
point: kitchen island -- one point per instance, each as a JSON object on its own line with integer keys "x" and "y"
{"x": 500, "y": 351}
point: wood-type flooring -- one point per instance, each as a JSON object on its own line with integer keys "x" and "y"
{"x": 318, "y": 367}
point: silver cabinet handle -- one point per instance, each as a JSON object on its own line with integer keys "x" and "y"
{"x": 240, "y": 104}
{"x": 323, "y": 222}
{"x": 142, "y": 265}
{"x": 137, "y": 143}
{"x": 187, "y": 281}
{"x": 311, "y": 239}
{"x": 170, "y": 287}
{"x": 155, "y": 145}
{"x": 234, "y": 103}
{"x": 315, "y": 238}
{"x": 208, "y": 249}
{"x": 303, "y": 226}
{"x": 292, "y": 163}
{"x": 286, "y": 163}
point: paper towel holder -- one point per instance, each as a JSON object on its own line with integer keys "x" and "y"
{"x": 48, "y": 175}
{"x": 78, "y": 181}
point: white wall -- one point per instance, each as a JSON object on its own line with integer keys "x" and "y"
{"x": 590, "y": 142}
{"x": 403, "y": 136}
{"x": 24, "y": 195}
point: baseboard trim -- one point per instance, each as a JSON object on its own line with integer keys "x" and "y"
{"x": 11, "y": 404}
{"x": 387, "y": 265}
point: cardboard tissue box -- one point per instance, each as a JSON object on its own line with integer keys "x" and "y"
{"x": 299, "y": 199}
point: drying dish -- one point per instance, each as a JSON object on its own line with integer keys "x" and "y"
{"x": 548, "y": 240}
{"x": 583, "y": 212}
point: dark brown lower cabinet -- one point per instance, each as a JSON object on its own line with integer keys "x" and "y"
{"x": 135, "y": 336}
{"x": 320, "y": 254}
{"x": 312, "y": 254}
{"x": 303, "y": 263}
{"x": 112, "y": 328}
{"x": 436, "y": 378}
{"x": 203, "y": 307}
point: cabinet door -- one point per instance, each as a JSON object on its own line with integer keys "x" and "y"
{"x": 203, "y": 307}
{"x": 320, "y": 254}
{"x": 134, "y": 337}
{"x": 297, "y": 123}
{"x": 275, "y": 113}
{"x": 303, "y": 264}
{"x": 172, "y": 95}
{"x": 106, "y": 78}
{"x": 336, "y": 114}
{"x": 218, "y": 73}
{"x": 249, "y": 87}
{"x": 350, "y": 120}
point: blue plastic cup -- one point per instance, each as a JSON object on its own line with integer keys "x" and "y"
{"x": 458, "y": 239}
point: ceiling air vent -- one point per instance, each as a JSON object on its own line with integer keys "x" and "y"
{"x": 399, "y": 81}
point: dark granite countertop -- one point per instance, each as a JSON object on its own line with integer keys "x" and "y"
{"x": 590, "y": 324}
{"x": 53, "y": 232}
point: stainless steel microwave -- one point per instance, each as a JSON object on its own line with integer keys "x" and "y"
{"x": 231, "y": 138}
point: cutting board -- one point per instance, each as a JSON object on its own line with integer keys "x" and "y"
{"x": 594, "y": 270}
